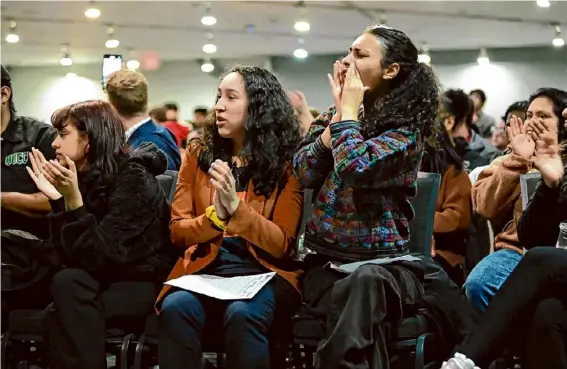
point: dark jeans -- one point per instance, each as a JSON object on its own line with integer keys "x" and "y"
{"x": 82, "y": 305}
{"x": 187, "y": 319}
{"x": 531, "y": 305}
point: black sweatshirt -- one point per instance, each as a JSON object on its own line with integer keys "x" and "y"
{"x": 539, "y": 224}
{"x": 126, "y": 238}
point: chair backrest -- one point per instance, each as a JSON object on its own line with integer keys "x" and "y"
{"x": 424, "y": 204}
{"x": 168, "y": 182}
{"x": 528, "y": 184}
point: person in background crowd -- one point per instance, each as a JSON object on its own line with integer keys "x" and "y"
{"x": 497, "y": 193}
{"x": 109, "y": 226}
{"x": 199, "y": 118}
{"x": 474, "y": 150}
{"x": 158, "y": 115}
{"x": 236, "y": 212}
{"x": 454, "y": 209}
{"x": 500, "y": 137}
{"x": 314, "y": 112}
{"x": 128, "y": 93}
{"x": 20, "y": 198}
{"x": 171, "y": 112}
{"x": 531, "y": 303}
{"x": 362, "y": 157}
{"x": 484, "y": 122}
{"x": 302, "y": 111}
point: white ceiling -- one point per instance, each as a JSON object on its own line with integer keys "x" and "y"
{"x": 173, "y": 28}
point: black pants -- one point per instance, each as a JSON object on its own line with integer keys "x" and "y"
{"x": 359, "y": 308}
{"x": 76, "y": 324}
{"x": 530, "y": 305}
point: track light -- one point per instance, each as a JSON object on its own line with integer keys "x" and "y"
{"x": 66, "y": 59}
{"x": 12, "y": 37}
{"x": 483, "y": 57}
{"x": 208, "y": 20}
{"x": 423, "y": 56}
{"x": 92, "y": 12}
{"x": 300, "y": 52}
{"x": 543, "y": 3}
{"x": 558, "y": 39}
{"x": 302, "y": 25}
{"x": 207, "y": 67}
{"x": 111, "y": 42}
{"x": 210, "y": 47}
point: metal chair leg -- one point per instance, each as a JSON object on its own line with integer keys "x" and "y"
{"x": 5, "y": 340}
{"x": 139, "y": 352}
{"x": 124, "y": 350}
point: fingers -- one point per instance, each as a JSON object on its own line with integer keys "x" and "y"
{"x": 39, "y": 155}
{"x": 332, "y": 82}
{"x": 70, "y": 164}
{"x": 52, "y": 171}
{"x": 66, "y": 172}
{"x": 34, "y": 162}
{"x": 32, "y": 175}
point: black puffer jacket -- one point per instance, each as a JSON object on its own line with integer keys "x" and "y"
{"x": 126, "y": 238}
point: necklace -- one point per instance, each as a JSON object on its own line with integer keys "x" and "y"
{"x": 237, "y": 172}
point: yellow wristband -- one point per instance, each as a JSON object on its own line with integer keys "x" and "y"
{"x": 211, "y": 214}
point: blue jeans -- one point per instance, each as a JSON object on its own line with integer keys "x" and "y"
{"x": 244, "y": 324}
{"x": 487, "y": 276}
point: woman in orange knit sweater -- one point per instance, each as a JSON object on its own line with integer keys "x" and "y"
{"x": 497, "y": 194}
{"x": 453, "y": 213}
{"x": 236, "y": 212}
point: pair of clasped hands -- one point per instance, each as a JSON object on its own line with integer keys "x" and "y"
{"x": 55, "y": 180}
{"x": 226, "y": 198}
{"x": 348, "y": 93}
{"x": 535, "y": 142}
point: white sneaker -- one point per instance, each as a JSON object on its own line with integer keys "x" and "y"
{"x": 459, "y": 361}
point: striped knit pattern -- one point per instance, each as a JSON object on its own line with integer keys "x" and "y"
{"x": 385, "y": 164}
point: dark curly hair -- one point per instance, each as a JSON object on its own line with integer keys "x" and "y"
{"x": 559, "y": 100}
{"x": 438, "y": 158}
{"x": 272, "y": 132}
{"x": 99, "y": 121}
{"x": 411, "y": 101}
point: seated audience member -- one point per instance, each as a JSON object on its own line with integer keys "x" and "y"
{"x": 484, "y": 122}
{"x": 21, "y": 200}
{"x": 453, "y": 211}
{"x": 363, "y": 161}
{"x": 158, "y": 115}
{"x": 171, "y": 112}
{"x": 531, "y": 302}
{"x": 474, "y": 150}
{"x": 497, "y": 193}
{"x": 179, "y": 130}
{"x": 199, "y": 117}
{"x": 128, "y": 93}
{"x": 236, "y": 212}
{"x": 24, "y": 208}
{"x": 302, "y": 111}
{"x": 500, "y": 137}
{"x": 109, "y": 226}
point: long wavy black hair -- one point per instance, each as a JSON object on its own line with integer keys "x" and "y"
{"x": 438, "y": 158}
{"x": 411, "y": 101}
{"x": 272, "y": 132}
{"x": 107, "y": 147}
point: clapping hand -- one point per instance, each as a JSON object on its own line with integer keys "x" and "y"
{"x": 225, "y": 186}
{"x": 40, "y": 178}
{"x": 521, "y": 143}
{"x": 547, "y": 158}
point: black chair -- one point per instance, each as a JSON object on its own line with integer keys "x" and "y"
{"x": 23, "y": 344}
{"x": 413, "y": 338}
{"x": 146, "y": 346}
{"x": 528, "y": 185}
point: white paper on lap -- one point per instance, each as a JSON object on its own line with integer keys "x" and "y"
{"x": 223, "y": 288}
{"x": 351, "y": 267}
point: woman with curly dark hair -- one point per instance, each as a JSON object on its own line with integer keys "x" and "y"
{"x": 362, "y": 157}
{"x": 236, "y": 212}
{"x": 108, "y": 226}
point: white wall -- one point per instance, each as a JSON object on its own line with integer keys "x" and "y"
{"x": 39, "y": 91}
{"x": 513, "y": 75}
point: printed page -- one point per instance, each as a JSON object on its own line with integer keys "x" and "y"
{"x": 351, "y": 267}
{"x": 223, "y": 288}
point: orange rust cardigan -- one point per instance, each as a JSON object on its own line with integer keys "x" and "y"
{"x": 270, "y": 223}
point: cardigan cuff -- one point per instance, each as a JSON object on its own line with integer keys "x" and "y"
{"x": 319, "y": 149}
{"x": 57, "y": 206}
{"x": 339, "y": 127}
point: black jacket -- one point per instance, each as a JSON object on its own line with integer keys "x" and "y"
{"x": 128, "y": 237}
{"x": 539, "y": 223}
